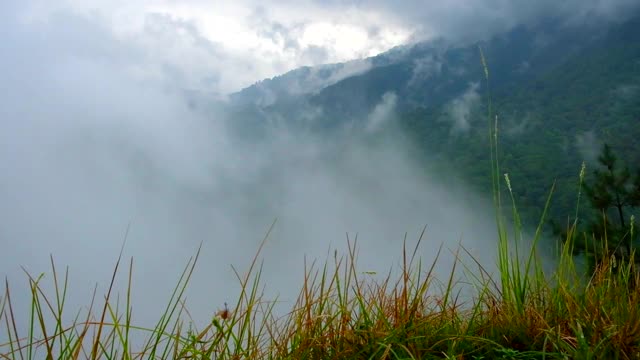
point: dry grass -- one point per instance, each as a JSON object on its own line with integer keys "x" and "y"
{"x": 343, "y": 314}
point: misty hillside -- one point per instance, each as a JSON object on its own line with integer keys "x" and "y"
{"x": 560, "y": 91}
{"x": 154, "y": 203}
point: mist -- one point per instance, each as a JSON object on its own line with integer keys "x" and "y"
{"x": 89, "y": 148}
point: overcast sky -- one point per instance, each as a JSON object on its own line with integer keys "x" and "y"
{"x": 223, "y": 46}
{"x": 95, "y": 134}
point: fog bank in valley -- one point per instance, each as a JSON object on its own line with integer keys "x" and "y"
{"x": 89, "y": 147}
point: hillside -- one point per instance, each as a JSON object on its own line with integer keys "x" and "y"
{"x": 559, "y": 90}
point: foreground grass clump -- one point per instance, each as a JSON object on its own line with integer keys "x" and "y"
{"x": 345, "y": 314}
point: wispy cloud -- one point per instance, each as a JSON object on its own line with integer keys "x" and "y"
{"x": 424, "y": 68}
{"x": 319, "y": 77}
{"x": 518, "y": 125}
{"x": 627, "y": 91}
{"x": 238, "y": 43}
{"x": 459, "y": 110}
{"x": 98, "y": 133}
{"x": 588, "y": 145}
{"x": 383, "y": 112}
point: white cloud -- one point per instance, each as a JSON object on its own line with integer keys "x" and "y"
{"x": 425, "y": 67}
{"x": 589, "y": 146}
{"x": 460, "y": 108}
{"x": 257, "y": 40}
{"x": 322, "y": 76}
{"x": 96, "y": 133}
{"x": 250, "y": 42}
{"x": 382, "y": 112}
{"x": 518, "y": 125}
{"x": 626, "y": 91}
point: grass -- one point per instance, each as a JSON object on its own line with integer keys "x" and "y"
{"x": 344, "y": 314}
{"x": 340, "y": 313}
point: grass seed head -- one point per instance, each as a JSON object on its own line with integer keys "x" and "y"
{"x": 224, "y": 314}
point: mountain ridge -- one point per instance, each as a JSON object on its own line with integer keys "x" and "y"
{"x": 554, "y": 88}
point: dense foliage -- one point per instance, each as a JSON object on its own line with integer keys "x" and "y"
{"x": 549, "y": 123}
{"x": 559, "y": 93}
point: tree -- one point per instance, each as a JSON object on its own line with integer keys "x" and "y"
{"x": 612, "y": 187}
{"x": 613, "y": 194}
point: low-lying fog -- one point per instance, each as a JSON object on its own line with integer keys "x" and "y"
{"x": 88, "y": 148}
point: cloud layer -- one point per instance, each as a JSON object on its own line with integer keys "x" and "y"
{"x": 99, "y": 135}
{"x": 223, "y": 47}
{"x": 108, "y": 120}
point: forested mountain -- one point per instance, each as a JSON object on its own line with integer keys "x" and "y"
{"x": 559, "y": 91}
